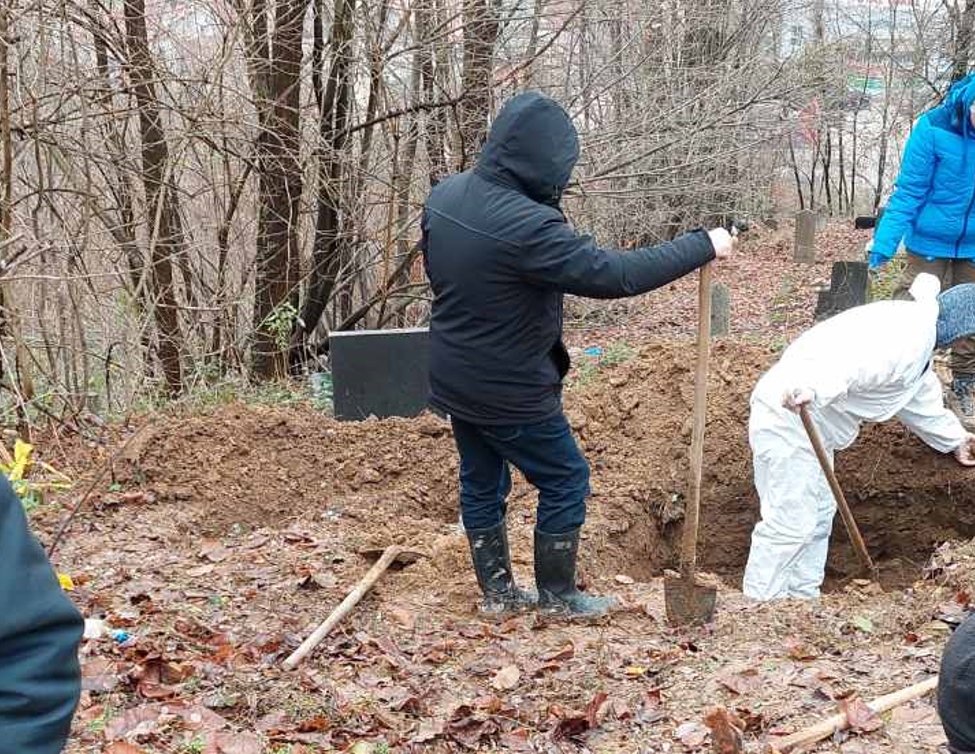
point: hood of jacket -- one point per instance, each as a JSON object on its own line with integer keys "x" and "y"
{"x": 957, "y": 105}
{"x": 532, "y": 147}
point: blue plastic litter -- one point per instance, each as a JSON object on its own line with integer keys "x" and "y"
{"x": 593, "y": 351}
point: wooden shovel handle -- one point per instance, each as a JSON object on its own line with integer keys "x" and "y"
{"x": 692, "y": 513}
{"x": 851, "y": 525}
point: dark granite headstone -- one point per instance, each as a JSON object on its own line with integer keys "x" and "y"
{"x": 380, "y": 372}
{"x": 849, "y": 285}
{"x": 866, "y": 222}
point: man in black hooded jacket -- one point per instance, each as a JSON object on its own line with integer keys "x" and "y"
{"x": 500, "y": 255}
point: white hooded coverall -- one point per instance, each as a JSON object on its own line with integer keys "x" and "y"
{"x": 869, "y": 363}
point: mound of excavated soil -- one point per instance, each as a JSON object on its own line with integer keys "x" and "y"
{"x": 380, "y": 481}
{"x": 636, "y": 427}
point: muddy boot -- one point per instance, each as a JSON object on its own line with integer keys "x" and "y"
{"x": 492, "y": 564}
{"x": 555, "y": 577}
{"x": 961, "y": 400}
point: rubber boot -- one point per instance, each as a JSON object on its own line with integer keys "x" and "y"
{"x": 492, "y": 565}
{"x": 555, "y": 577}
{"x": 962, "y": 400}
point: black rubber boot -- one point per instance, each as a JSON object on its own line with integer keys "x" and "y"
{"x": 555, "y": 577}
{"x": 492, "y": 564}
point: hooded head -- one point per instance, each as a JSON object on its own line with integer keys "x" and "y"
{"x": 532, "y": 147}
{"x": 956, "y": 314}
{"x": 957, "y": 105}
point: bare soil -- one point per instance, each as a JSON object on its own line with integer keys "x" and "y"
{"x": 244, "y": 526}
{"x": 223, "y": 537}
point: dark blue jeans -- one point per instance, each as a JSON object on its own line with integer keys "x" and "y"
{"x": 546, "y": 453}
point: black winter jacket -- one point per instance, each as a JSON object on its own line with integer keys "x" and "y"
{"x": 499, "y": 255}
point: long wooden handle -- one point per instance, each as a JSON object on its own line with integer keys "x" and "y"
{"x": 851, "y": 525}
{"x": 352, "y": 599}
{"x": 692, "y": 513}
{"x": 830, "y": 725}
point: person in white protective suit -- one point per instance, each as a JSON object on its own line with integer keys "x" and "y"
{"x": 870, "y": 363}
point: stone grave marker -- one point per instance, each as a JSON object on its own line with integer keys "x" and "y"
{"x": 380, "y": 372}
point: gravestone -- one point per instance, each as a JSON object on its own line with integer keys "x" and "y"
{"x": 866, "y": 222}
{"x": 849, "y": 285}
{"x": 379, "y": 372}
{"x": 720, "y": 310}
{"x": 805, "y": 246}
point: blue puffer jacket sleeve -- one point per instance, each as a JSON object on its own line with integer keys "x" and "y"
{"x": 40, "y": 629}
{"x": 910, "y": 191}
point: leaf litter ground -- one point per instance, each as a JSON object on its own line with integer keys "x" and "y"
{"x": 225, "y": 536}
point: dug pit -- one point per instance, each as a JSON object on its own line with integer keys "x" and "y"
{"x": 907, "y": 498}
{"x": 252, "y": 467}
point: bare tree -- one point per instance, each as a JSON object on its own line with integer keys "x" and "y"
{"x": 166, "y": 232}
{"x": 481, "y": 26}
{"x": 274, "y": 54}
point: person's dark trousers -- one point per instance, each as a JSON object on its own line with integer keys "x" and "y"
{"x": 546, "y": 453}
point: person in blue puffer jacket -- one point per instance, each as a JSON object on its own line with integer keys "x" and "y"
{"x": 932, "y": 210}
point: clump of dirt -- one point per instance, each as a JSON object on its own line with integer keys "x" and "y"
{"x": 396, "y": 480}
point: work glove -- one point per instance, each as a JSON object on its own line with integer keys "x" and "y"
{"x": 722, "y": 241}
{"x": 793, "y": 399}
{"x": 875, "y": 260}
{"x": 965, "y": 453}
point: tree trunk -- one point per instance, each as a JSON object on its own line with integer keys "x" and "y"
{"x": 6, "y": 173}
{"x": 480, "y": 34}
{"x": 426, "y": 21}
{"x": 962, "y": 54}
{"x": 327, "y": 249}
{"x": 402, "y": 184}
{"x": 165, "y": 226}
{"x": 277, "y": 81}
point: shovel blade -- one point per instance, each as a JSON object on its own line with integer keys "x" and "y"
{"x": 690, "y": 602}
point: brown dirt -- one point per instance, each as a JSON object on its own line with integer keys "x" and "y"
{"x": 244, "y": 526}
{"x": 252, "y": 467}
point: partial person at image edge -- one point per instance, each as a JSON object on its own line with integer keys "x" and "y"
{"x": 499, "y": 255}
{"x": 871, "y": 363}
{"x": 40, "y": 630}
{"x": 956, "y": 689}
{"x": 931, "y": 211}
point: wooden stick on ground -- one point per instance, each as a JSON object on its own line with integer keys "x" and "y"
{"x": 830, "y": 725}
{"x": 352, "y": 599}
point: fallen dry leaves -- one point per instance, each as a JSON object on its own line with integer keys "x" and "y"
{"x": 414, "y": 666}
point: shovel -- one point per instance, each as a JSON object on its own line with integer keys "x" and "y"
{"x": 834, "y": 484}
{"x": 689, "y": 599}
